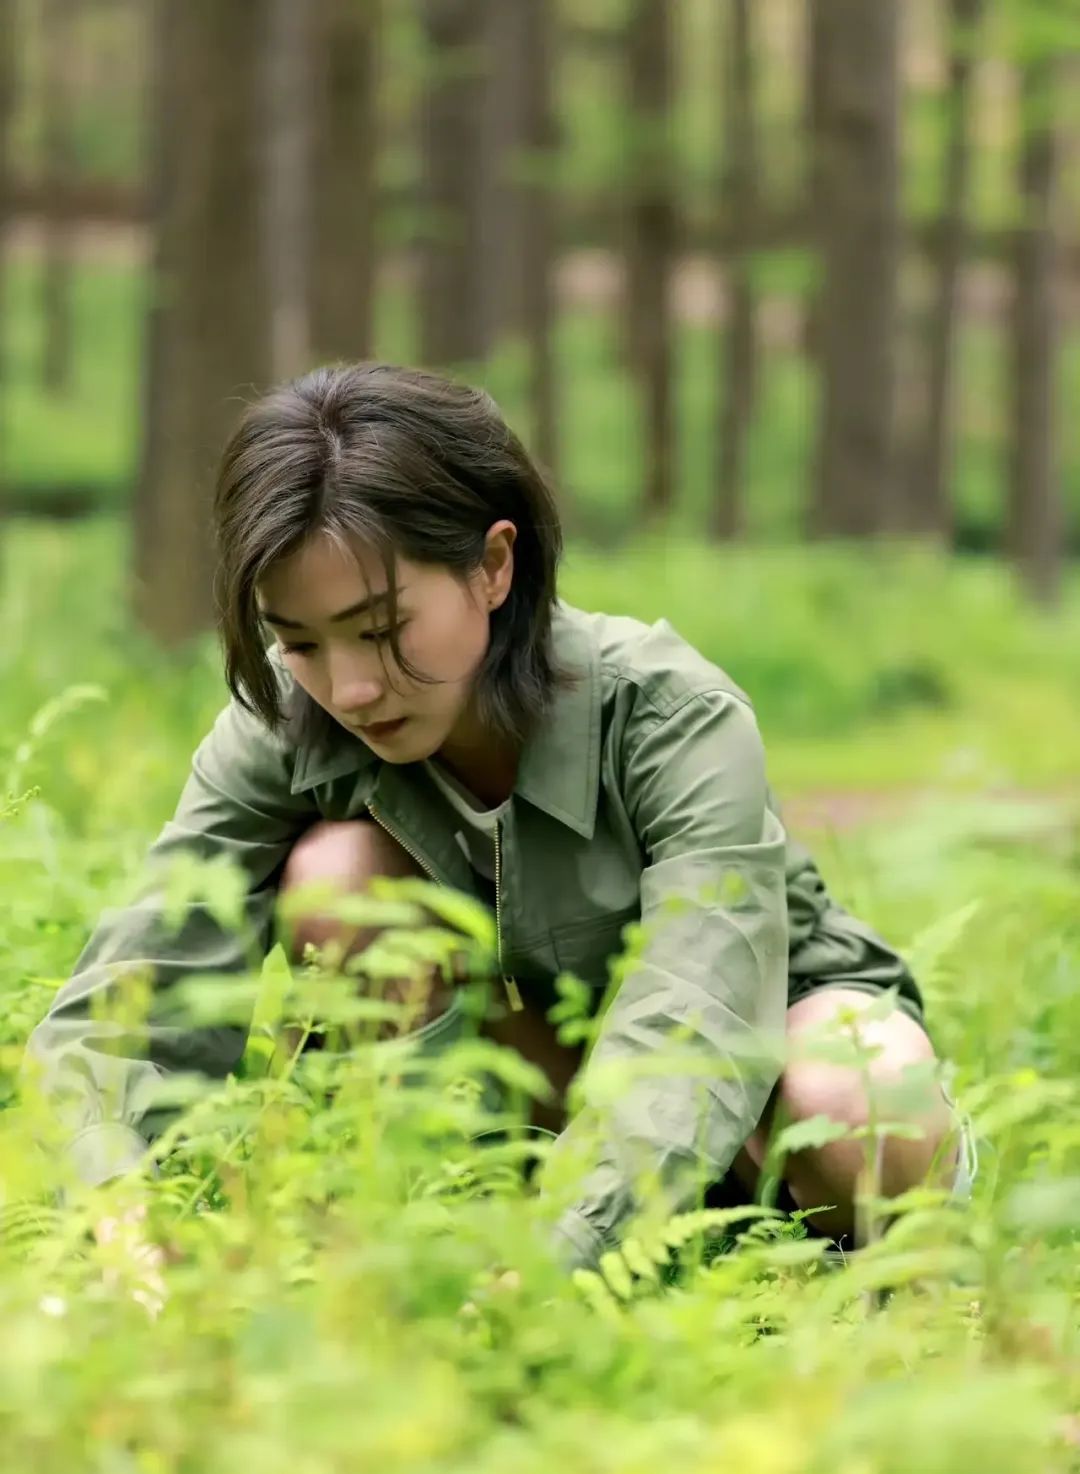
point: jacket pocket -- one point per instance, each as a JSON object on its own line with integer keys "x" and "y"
{"x": 585, "y": 947}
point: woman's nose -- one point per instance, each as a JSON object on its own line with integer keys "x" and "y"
{"x": 354, "y": 688}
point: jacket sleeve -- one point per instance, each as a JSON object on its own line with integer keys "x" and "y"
{"x": 829, "y": 945}
{"x": 100, "y": 1074}
{"x": 698, "y": 1021}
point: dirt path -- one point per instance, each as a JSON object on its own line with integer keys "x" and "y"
{"x": 1050, "y": 813}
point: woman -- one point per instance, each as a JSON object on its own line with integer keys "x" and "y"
{"x": 430, "y": 707}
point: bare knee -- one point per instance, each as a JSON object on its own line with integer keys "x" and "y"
{"x": 345, "y": 857}
{"x": 349, "y": 852}
{"x": 895, "y": 1078}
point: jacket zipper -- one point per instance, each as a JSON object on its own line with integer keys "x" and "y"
{"x": 405, "y": 845}
{"x": 510, "y": 984}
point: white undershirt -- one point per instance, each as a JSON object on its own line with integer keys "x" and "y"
{"x": 477, "y": 835}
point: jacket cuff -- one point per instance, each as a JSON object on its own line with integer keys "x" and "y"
{"x": 105, "y": 1150}
{"x": 577, "y": 1244}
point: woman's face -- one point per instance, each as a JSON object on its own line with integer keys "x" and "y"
{"x": 328, "y": 608}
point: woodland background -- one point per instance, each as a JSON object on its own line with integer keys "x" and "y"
{"x": 786, "y": 296}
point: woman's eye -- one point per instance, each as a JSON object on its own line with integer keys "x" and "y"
{"x": 376, "y": 637}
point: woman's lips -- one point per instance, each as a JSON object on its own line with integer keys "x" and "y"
{"x": 380, "y": 731}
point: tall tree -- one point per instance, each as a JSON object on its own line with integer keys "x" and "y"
{"x": 1036, "y": 513}
{"x": 738, "y": 367}
{"x": 535, "y": 236}
{"x": 453, "y": 318}
{"x": 928, "y": 506}
{"x": 286, "y": 194}
{"x": 652, "y": 224}
{"x": 8, "y": 55}
{"x": 208, "y": 328}
{"x": 346, "y": 144}
{"x": 813, "y": 117}
{"x": 502, "y": 140}
{"x": 59, "y": 57}
{"x": 857, "y": 215}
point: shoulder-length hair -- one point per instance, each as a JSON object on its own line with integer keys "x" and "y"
{"x": 406, "y": 463}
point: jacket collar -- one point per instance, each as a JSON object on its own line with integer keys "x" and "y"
{"x": 332, "y": 753}
{"x": 559, "y": 771}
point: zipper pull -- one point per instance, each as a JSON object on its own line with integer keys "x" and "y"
{"x": 513, "y": 994}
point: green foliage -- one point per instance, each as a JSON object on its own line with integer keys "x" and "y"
{"x": 358, "y": 1270}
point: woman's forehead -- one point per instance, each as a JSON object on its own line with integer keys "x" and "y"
{"x": 321, "y": 579}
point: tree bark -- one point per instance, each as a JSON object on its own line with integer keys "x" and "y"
{"x": 537, "y": 234}
{"x": 652, "y": 241}
{"x": 502, "y": 142}
{"x": 346, "y": 146}
{"x": 59, "y": 54}
{"x": 288, "y": 85}
{"x": 929, "y": 508}
{"x": 1036, "y": 513}
{"x": 738, "y": 366}
{"x": 815, "y": 80}
{"x": 453, "y": 318}
{"x": 858, "y": 230}
{"x": 8, "y": 82}
{"x": 209, "y": 345}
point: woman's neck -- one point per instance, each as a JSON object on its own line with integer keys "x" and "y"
{"x": 486, "y": 765}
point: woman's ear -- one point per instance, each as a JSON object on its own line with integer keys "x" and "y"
{"x": 498, "y": 565}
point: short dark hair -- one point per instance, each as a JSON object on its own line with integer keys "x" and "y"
{"x": 412, "y": 464}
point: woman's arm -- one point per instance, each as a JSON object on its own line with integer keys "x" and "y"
{"x": 101, "y": 1071}
{"x": 697, "y": 1023}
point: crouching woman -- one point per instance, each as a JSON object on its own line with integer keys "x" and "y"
{"x": 410, "y": 696}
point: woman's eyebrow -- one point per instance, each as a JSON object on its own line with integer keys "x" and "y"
{"x": 363, "y": 606}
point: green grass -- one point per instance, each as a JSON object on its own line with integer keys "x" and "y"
{"x": 331, "y": 1304}
{"x": 86, "y": 438}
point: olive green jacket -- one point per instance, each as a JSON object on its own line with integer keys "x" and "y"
{"x": 642, "y": 796}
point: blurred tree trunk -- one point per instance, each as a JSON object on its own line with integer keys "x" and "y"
{"x": 453, "y": 316}
{"x": 345, "y": 156}
{"x": 738, "y": 368}
{"x": 651, "y": 239}
{"x": 502, "y": 141}
{"x": 59, "y": 57}
{"x": 287, "y": 195}
{"x": 929, "y": 508}
{"x": 813, "y": 123}
{"x": 537, "y": 232}
{"x": 8, "y": 76}
{"x": 1036, "y": 514}
{"x": 209, "y": 324}
{"x": 857, "y": 214}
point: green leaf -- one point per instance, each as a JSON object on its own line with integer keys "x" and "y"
{"x": 616, "y": 1274}
{"x": 902, "y": 1130}
{"x": 815, "y": 1131}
